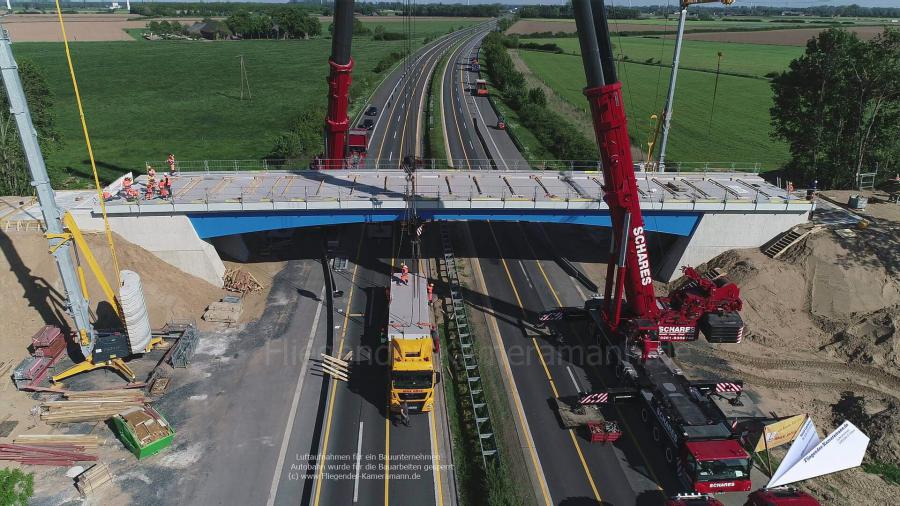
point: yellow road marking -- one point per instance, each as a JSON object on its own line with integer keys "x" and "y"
{"x": 618, "y": 411}
{"x": 507, "y": 372}
{"x": 436, "y": 458}
{"x": 584, "y": 466}
{"x": 334, "y": 383}
{"x": 387, "y": 453}
{"x": 462, "y": 144}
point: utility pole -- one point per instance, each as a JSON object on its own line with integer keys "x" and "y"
{"x": 670, "y": 98}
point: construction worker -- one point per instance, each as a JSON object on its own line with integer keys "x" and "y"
{"x": 165, "y": 186}
{"x": 171, "y": 161}
{"x": 430, "y": 292}
{"x": 150, "y": 190}
{"x": 404, "y": 413}
{"x": 404, "y": 273}
{"x": 127, "y": 189}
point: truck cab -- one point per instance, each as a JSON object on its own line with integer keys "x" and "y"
{"x": 717, "y": 466}
{"x": 481, "y": 89}
{"x": 780, "y": 496}
{"x": 357, "y": 146}
{"x": 409, "y": 335}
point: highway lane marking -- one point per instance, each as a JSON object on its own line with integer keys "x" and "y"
{"x": 599, "y": 377}
{"x": 456, "y": 120}
{"x": 323, "y": 457}
{"x": 525, "y": 273}
{"x": 443, "y": 111}
{"x": 289, "y": 427}
{"x": 571, "y": 375}
{"x": 584, "y": 466}
{"x": 358, "y": 460}
{"x": 414, "y": 88}
{"x": 395, "y": 132}
{"x": 435, "y": 461}
{"x": 517, "y": 400}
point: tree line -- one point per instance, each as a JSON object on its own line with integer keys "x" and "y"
{"x": 430, "y": 9}
{"x": 565, "y": 12}
{"x": 285, "y": 21}
{"x": 838, "y": 107}
{"x": 14, "y": 175}
{"x": 551, "y": 129}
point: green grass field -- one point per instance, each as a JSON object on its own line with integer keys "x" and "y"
{"x": 739, "y": 130}
{"x": 749, "y": 59}
{"x": 144, "y": 100}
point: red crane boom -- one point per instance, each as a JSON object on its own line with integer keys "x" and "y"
{"x": 337, "y": 123}
{"x": 630, "y": 306}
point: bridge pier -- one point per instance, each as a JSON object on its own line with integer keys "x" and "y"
{"x": 172, "y": 238}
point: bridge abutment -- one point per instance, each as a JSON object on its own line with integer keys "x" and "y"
{"x": 716, "y": 233}
{"x": 172, "y": 238}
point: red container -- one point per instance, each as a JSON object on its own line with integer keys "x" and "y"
{"x": 47, "y": 336}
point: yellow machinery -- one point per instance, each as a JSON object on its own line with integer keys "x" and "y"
{"x": 97, "y": 358}
{"x": 409, "y": 334}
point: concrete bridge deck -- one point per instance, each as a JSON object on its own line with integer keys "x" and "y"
{"x": 387, "y": 189}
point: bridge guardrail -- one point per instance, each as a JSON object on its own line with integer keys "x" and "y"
{"x": 265, "y": 165}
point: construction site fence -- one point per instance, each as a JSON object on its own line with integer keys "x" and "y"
{"x": 441, "y": 164}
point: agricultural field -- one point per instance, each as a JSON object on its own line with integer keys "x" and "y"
{"x": 144, "y": 100}
{"x": 734, "y": 129}
{"x": 793, "y": 37}
{"x": 744, "y": 59}
{"x": 525, "y": 26}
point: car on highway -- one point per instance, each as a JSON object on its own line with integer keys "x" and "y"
{"x": 372, "y": 111}
{"x": 367, "y": 124}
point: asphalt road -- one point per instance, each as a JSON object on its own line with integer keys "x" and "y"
{"x": 400, "y": 101}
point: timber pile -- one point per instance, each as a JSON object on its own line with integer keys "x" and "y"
{"x": 91, "y": 406}
{"x": 59, "y": 455}
{"x": 240, "y": 281}
{"x": 97, "y": 477}
{"x": 82, "y": 441}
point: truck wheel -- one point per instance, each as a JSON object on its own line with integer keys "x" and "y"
{"x": 644, "y": 416}
{"x": 656, "y": 434}
{"x": 670, "y": 455}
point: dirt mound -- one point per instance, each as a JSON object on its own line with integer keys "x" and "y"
{"x": 33, "y": 292}
{"x": 824, "y": 295}
{"x": 882, "y": 428}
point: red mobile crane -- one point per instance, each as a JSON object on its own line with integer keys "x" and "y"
{"x": 341, "y": 142}
{"x": 687, "y": 419}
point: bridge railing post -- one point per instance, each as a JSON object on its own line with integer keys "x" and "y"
{"x": 206, "y": 166}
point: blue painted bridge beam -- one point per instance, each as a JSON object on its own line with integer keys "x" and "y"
{"x": 210, "y": 225}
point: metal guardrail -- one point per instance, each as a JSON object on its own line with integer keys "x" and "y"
{"x": 458, "y": 322}
{"x": 265, "y": 165}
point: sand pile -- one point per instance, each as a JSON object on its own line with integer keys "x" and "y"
{"x": 32, "y": 289}
{"x": 826, "y": 296}
{"x": 882, "y": 428}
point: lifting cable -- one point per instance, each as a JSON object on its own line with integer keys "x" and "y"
{"x": 624, "y": 68}
{"x": 90, "y": 150}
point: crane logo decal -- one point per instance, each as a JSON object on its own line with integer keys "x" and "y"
{"x": 640, "y": 246}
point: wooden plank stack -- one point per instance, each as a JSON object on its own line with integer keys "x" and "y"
{"x": 91, "y": 405}
{"x": 97, "y": 477}
{"x": 82, "y": 441}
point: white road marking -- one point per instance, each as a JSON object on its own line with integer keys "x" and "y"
{"x": 525, "y": 273}
{"x": 577, "y": 388}
{"x": 471, "y": 146}
{"x": 290, "y": 422}
{"x": 395, "y": 134}
{"x": 391, "y": 155}
{"x": 358, "y": 458}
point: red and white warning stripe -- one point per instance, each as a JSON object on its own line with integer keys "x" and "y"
{"x": 740, "y": 335}
{"x": 551, "y": 316}
{"x": 598, "y": 398}
{"x": 728, "y": 387}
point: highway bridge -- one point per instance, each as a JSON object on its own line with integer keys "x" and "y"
{"x": 522, "y": 227}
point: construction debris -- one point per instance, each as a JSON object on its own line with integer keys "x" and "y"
{"x": 57, "y": 455}
{"x": 143, "y": 431}
{"x": 183, "y": 350}
{"x": 335, "y": 367}
{"x": 237, "y": 280}
{"x": 97, "y": 477}
{"x": 91, "y": 406}
{"x": 48, "y": 346}
{"x": 227, "y": 310}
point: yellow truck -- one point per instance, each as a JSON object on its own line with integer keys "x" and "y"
{"x": 411, "y": 340}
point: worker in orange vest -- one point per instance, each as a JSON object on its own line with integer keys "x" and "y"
{"x": 150, "y": 191}
{"x": 171, "y": 161}
{"x": 165, "y": 184}
{"x": 404, "y": 273}
{"x": 130, "y": 192}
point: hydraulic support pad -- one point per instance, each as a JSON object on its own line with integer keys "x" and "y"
{"x": 337, "y": 123}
